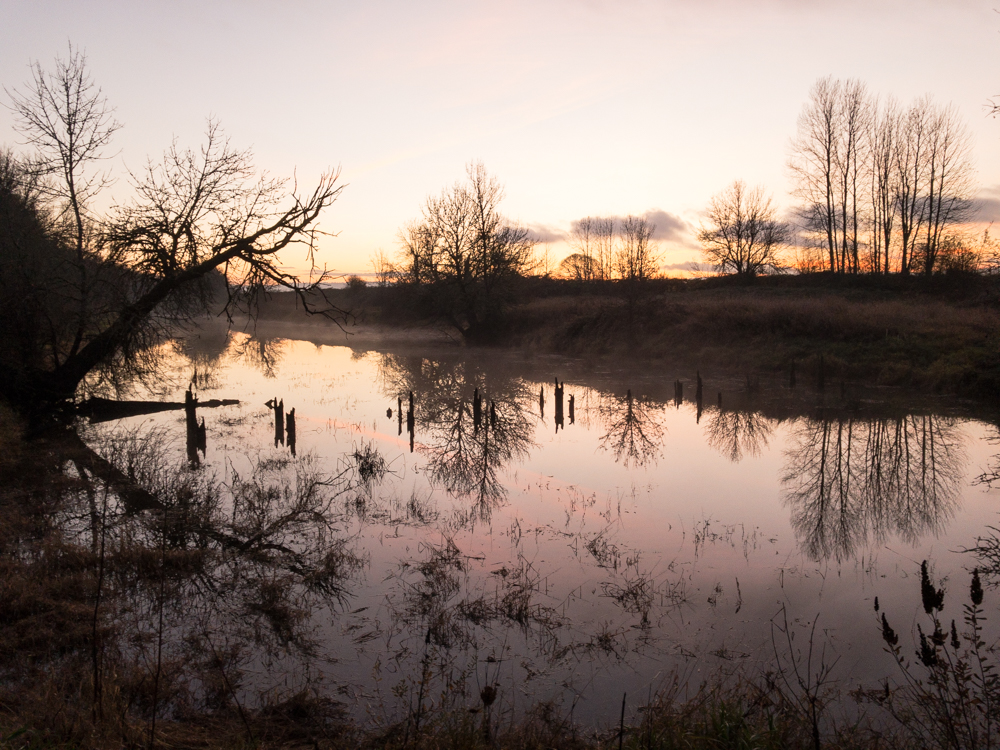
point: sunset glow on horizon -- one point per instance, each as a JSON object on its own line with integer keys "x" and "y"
{"x": 580, "y": 108}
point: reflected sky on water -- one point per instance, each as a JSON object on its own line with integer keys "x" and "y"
{"x": 576, "y": 558}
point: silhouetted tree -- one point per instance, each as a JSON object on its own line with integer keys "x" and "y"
{"x": 466, "y": 254}
{"x": 744, "y": 234}
{"x": 131, "y": 277}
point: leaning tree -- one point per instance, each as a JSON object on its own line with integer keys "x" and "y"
{"x": 87, "y": 296}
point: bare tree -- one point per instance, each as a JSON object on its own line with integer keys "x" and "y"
{"x": 605, "y": 240}
{"x": 829, "y": 159}
{"x": 950, "y": 180}
{"x": 577, "y": 267}
{"x": 636, "y": 259}
{"x": 910, "y": 157}
{"x": 466, "y": 253}
{"x": 814, "y": 159}
{"x": 855, "y": 115}
{"x": 195, "y": 218}
{"x": 583, "y": 239}
{"x": 66, "y": 119}
{"x": 383, "y": 267}
{"x": 744, "y": 234}
{"x": 883, "y": 136}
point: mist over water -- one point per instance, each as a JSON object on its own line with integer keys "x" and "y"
{"x": 572, "y": 550}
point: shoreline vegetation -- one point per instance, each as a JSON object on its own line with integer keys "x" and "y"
{"x": 937, "y": 335}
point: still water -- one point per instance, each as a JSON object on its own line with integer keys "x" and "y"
{"x": 578, "y": 552}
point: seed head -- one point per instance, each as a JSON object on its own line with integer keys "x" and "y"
{"x": 976, "y": 589}
{"x": 933, "y": 597}
{"x": 888, "y": 634}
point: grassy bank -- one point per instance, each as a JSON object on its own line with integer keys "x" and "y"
{"x": 940, "y": 334}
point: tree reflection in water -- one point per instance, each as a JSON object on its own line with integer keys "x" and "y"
{"x": 851, "y": 482}
{"x": 466, "y": 460}
{"x": 185, "y": 582}
{"x": 634, "y": 432}
{"x": 736, "y": 434}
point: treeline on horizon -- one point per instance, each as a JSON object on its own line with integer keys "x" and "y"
{"x": 881, "y": 188}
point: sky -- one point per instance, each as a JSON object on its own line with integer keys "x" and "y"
{"x": 579, "y": 107}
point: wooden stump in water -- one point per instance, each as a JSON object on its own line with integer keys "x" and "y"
{"x": 191, "y": 428}
{"x": 279, "y": 422}
{"x": 477, "y": 410}
{"x": 202, "y": 437}
{"x": 410, "y": 421}
{"x": 290, "y": 429}
{"x": 572, "y": 415}
{"x": 559, "y": 405}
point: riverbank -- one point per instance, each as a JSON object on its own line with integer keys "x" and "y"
{"x": 939, "y": 335}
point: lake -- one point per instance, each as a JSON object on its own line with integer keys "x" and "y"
{"x": 573, "y": 552}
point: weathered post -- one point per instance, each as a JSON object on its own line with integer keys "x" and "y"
{"x": 279, "y": 422}
{"x": 202, "y": 437}
{"x": 572, "y": 404}
{"x": 191, "y": 427}
{"x": 477, "y": 410}
{"x": 410, "y": 421}
{"x": 290, "y": 429}
{"x": 559, "y": 405}
{"x": 541, "y": 402}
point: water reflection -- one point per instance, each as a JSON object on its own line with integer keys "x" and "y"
{"x": 634, "y": 429}
{"x": 189, "y": 580}
{"x": 851, "y": 482}
{"x": 736, "y": 434}
{"x": 466, "y": 455}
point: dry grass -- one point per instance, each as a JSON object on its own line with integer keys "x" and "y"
{"x": 893, "y": 339}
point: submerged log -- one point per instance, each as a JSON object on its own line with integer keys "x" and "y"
{"x": 105, "y": 409}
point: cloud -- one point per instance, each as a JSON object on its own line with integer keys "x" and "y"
{"x": 544, "y": 233}
{"x": 988, "y": 205}
{"x": 667, "y": 226}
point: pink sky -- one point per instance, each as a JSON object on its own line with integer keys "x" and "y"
{"x": 580, "y": 108}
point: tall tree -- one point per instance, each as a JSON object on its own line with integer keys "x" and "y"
{"x": 883, "y": 135}
{"x": 950, "y": 180}
{"x": 814, "y": 160}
